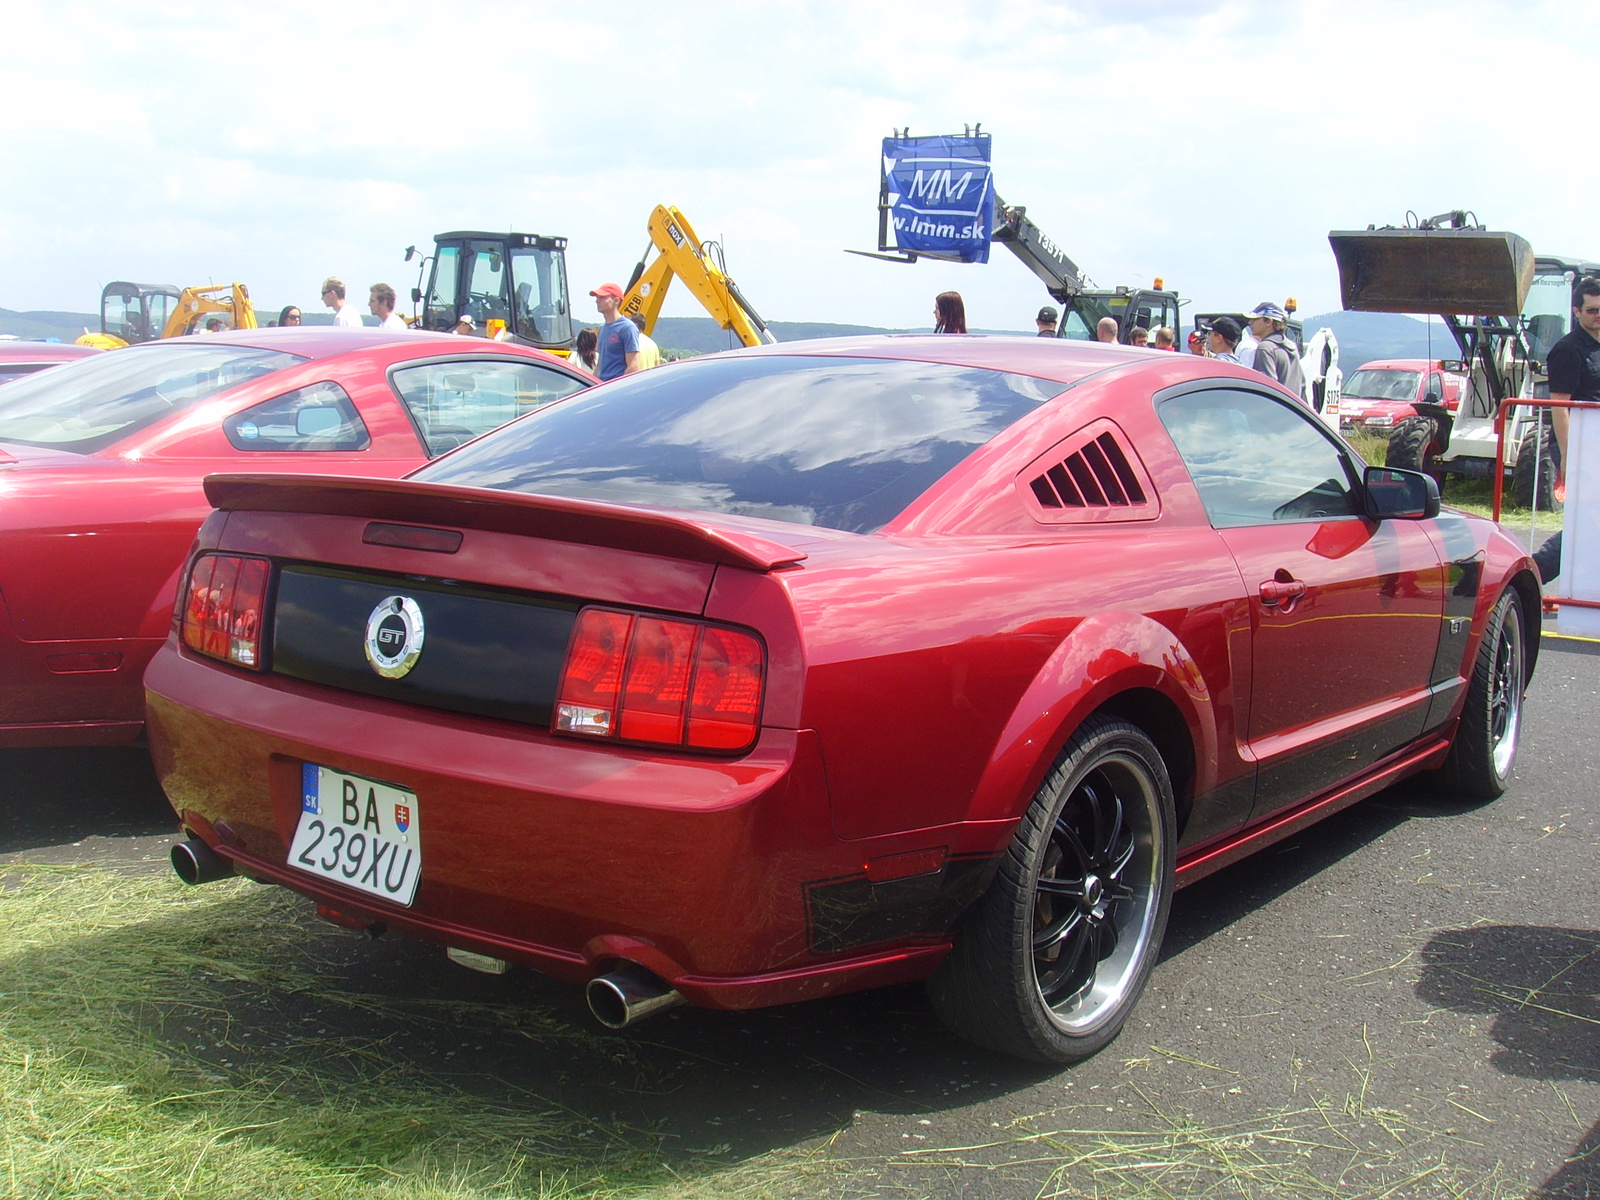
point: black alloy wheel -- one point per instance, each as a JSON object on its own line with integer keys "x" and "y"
{"x": 1050, "y": 962}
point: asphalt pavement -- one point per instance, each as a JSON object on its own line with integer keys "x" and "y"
{"x": 1402, "y": 1001}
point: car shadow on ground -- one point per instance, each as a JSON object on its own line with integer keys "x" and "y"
{"x": 1542, "y": 987}
{"x": 1218, "y": 901}
{"x": 56, "y": 796}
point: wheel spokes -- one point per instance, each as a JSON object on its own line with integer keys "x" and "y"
{"x": 1051, "y": 937}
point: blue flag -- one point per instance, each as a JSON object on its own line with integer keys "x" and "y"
{"x": 940, "y": 195}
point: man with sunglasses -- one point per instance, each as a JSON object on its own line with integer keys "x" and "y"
{"x": 344, "y": 315}
{"x": 1574, "y": 365}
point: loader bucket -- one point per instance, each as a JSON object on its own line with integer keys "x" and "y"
{"x": 1464, "y": 272}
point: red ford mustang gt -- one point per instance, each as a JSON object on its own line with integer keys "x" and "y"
{"x": 830, "y": 665}
{"x": 101, "y": 463}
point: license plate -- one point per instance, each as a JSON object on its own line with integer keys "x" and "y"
{"x": 359, "y": 832}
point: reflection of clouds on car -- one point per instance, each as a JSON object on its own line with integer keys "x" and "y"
{"x": 1251, "y": 459}
{"x": 835, "y": 441}
{"x": 853, "y": 413}
{"x": 117, "y": 394}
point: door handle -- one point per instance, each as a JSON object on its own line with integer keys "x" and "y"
{"x": 1277, "y": 591}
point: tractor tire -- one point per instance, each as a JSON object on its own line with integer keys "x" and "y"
{"x": 1414, "y": 446}
{"x": 1536, "y": 471}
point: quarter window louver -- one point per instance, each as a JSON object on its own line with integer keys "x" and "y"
{"x": 1091, "y": 477}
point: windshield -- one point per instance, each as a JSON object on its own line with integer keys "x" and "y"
{"x": 840, "y": 442}
{"x": 87, "y": 405}
{"x": 1382, "y": 383}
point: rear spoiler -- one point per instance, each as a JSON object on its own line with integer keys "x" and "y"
{"x": 1456, "y": 272}
{"x": 589, "y": 522}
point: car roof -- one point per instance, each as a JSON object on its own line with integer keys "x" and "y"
{"x": 1066, "y": 360}
{"x": 20, "y": 351}
{"x": 324, "y": 341}
{"x": 1400, "y": 364}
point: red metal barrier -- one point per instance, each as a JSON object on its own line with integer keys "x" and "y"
{"x": 1500, "y": 476}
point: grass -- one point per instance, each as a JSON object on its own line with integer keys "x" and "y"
{"x": 1474, "y": 496}
{"x": 155, "y": 1041}
{"x": 109, "y": 983}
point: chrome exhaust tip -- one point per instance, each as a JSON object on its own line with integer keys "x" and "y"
{"x": 628, "y": 995}
{"x": 196, "y": 863}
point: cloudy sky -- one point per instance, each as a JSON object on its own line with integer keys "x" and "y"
{"x": 1212, "y": 143}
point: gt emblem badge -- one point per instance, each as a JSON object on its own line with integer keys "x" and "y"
{"x": 394, "y": 636}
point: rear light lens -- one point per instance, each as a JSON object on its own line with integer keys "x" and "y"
{"x": 224, "y": 605}
{"x": 639, "y": 678}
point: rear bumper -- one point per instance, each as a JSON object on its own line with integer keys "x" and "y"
{"x": 562, "y": 855}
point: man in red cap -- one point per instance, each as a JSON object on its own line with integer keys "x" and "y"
{"x": 619, "y": 337}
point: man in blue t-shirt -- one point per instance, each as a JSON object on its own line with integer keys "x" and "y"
{"x": 619, "y": 337}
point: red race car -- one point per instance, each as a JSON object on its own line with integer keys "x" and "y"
{"x": 822, "y": 666}
{"x": 101, "y": 463}
{"x": 19, "y": 358}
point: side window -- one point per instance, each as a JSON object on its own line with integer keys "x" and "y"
{"x": 453, "y": 402}
{"x": 1256, "y": 460}
{"x": 319, "y": 417}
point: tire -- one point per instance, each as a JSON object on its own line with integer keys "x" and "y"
{"x": 1536, "y": 464}
{"x": 1485, "y": 746}
{"x": 1048, "y": 964}
{"x": 1414, "y": 445}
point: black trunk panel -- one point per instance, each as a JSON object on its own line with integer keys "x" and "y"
{"x": 488, "y": 653}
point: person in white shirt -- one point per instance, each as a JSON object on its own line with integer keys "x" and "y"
{"x": 333, "y": 297}
{"x": 380, "y": 299}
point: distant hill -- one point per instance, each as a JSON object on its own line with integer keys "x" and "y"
{"x": 66, "y": 326}
{"x": 1362, "y": 336}
{"x": 1365, "y": 336}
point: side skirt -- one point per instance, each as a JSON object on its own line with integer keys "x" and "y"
{"x": 1210, "y": 857}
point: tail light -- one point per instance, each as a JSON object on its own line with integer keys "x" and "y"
{"x": 633, "y": 677}
{"x": 224, "y": 604}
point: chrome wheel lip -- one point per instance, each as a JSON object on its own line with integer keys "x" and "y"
{"x": 1505, "y": 693}
{"x": 1131, "y": 902}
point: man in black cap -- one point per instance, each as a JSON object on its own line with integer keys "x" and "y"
{"x": 1046, "y": 321}
{"x": 1223, "y": 339}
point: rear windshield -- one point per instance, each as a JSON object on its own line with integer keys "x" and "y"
{"x": 1382, "y": 383}
{"x": 842, "y": 442}
{"x": 90, "y": 404}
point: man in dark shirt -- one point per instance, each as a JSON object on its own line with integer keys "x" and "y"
{"x": 1574, "y": 375}
{"x": 1046, "y": 321}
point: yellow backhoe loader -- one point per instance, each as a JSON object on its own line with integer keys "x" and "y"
{"x": 681, "y": 254}
{"x": 517, "y": 282}
{"x": 142, "y": 312}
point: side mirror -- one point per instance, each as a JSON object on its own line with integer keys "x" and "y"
{"x": 1394, "y": 494}
{"x": 1455, "y": 365}
{"x": 416, "y": 295}
{"x": 411, "y": 252}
